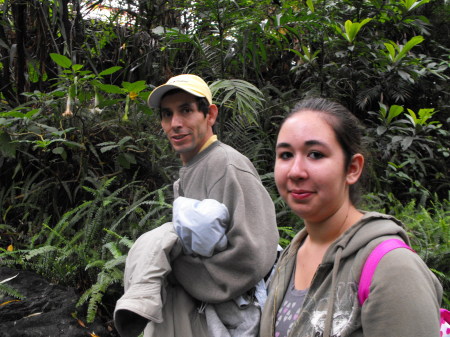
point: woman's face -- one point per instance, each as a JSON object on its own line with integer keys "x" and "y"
{"x": 309, "y": 167}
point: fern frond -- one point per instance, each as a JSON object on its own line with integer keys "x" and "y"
{"x": 95, "y": 264}
{"x": 113, "y": 248}
{"x": 10, "y": 291}
{"x": 84, "y": 297}
{"x": 241, "y": 97}
{"x": 40, "y": 251}
{"x": 104, "y": 280}
{"x": 126, "y": 242}
{"x": 115, "y": 262}
{"x": 69, "y": 218}
{"x": 160, "y": 206}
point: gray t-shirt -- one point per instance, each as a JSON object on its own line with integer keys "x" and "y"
{"x": 290, "y": 309}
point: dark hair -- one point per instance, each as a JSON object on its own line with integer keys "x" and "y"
{"x": 202, "y": 102}
{"x": 347, "y": 128}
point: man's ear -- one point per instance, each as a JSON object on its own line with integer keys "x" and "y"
{"x": 213, "y": 112}
{"x": 355, "y": 168}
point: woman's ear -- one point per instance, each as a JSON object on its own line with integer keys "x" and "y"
{"x": 213, "y": 112}
{"x": 355, "y": 168}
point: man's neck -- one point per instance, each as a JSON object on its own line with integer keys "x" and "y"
{"x": 211, "y": 140}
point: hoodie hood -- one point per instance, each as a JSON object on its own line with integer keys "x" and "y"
{"x": 375, "y": 226}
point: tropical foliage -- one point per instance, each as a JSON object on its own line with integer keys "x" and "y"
{"x": 85, "y": 169}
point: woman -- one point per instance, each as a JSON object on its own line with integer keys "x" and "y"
{"x": 313, "y": 291}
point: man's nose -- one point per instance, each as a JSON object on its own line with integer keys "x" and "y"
{"x": 177, "y": 121}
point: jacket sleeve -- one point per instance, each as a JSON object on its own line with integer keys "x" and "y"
{"x": 252, "y": 242}
{"x": 404, "y": 298}
{"x": 146, "y": 267}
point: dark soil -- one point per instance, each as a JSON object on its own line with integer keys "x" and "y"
{"x": 47, "y": 309}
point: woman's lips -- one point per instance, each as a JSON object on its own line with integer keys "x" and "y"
{"x": 300, "y": 194}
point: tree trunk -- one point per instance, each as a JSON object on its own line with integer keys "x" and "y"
{"x": 19, "y": 10}
{"x": 6, "y": 87}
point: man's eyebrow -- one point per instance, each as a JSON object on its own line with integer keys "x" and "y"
{"x": 185, "y": 105}
{"x": 165, "y": 110}
{"x": 179, "y": 107}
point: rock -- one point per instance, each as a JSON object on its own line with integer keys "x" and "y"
{"x": 47, "y": 309}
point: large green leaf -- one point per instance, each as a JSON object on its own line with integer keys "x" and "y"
{"x": 352, "y": 29}
{"x": 408, "y": 46}
{"x": 110, "y": 88}
{"x": 61, "y": 60}
{"x": 135, "y": 86}
{"x": 413, "y": 4}
{"x": 110, "y": 71}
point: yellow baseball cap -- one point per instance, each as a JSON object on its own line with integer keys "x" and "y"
{"x": 187, "y": 82}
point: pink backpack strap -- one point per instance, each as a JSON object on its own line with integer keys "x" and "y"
{"x": 371, "y": 264}
{"x": 445, "y": 323}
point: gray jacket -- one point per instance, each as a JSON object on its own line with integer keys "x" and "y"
{"x": 404, "y": 294}
{"x": 221, "y": 173}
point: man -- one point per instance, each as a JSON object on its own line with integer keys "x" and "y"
{"x": 212, "y": 170}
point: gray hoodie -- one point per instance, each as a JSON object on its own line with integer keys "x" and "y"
{"x": 404, "y": 295}
{"x": 223, "y": 174}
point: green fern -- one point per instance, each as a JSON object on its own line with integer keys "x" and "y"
{"x": 240, "y": 97}
{"x": 10, "y": 291}
{"x": 111, "y": 272}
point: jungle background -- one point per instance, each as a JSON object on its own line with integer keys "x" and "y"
{"x": 85, "y": 168}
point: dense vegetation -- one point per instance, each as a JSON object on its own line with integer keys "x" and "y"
{"x": 85, "y": 169}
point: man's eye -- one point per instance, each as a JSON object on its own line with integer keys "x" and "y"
{"x": 166, "y": 114}
{"x": 185, "y": 111}
{"x": 315, "y": 155}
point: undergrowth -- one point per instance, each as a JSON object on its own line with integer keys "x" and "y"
{"x": 428, "y": 229}
{"x": 88, "y": 246}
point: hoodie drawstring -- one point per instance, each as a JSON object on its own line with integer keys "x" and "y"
{"x": 329, "y": 318}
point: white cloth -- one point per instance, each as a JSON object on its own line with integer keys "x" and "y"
{"x": 201, "y": 225}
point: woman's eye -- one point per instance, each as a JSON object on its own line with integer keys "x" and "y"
{"x": 285, "y": 155}
{"x": 315, "y": 155}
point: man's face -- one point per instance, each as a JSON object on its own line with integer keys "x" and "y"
{"x": 186, "y": 127}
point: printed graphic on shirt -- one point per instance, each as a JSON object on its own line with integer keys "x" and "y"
{"x": 313, "y": 316}
{"x": 289, "y": 311}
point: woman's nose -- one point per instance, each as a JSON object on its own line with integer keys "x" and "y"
{"x": 298, "y": 169}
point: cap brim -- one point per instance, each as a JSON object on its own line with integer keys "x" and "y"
{"x": 154, "y": 99}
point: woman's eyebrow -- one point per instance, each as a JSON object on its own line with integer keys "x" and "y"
{"x": 315, "y": 142}
{"x": 307, "y": 143}
{"x": 283, "y": 145}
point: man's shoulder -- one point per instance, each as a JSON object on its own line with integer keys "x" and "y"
{"x": 225, "y": 153}
{"x": 223, "y": 156}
